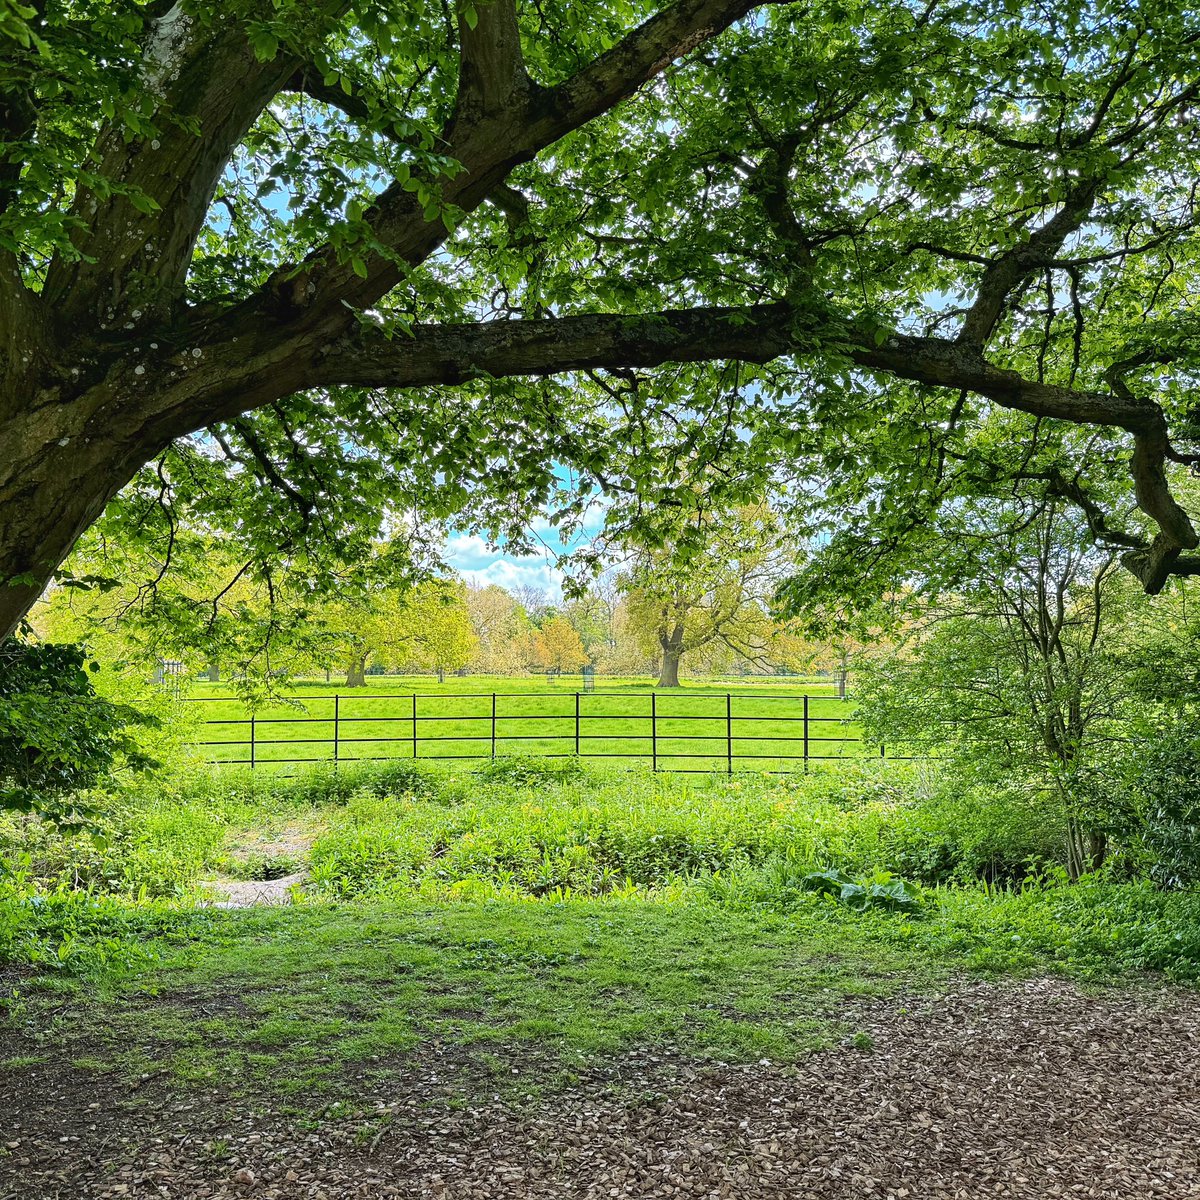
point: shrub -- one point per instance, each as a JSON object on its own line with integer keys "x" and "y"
{"x": 530, "y": 768}
{"x": 1165, "y": 776}
{"x": 57, "y": 736}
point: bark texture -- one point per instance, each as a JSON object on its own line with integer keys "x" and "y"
{"x": 672, "y": 654}
{"x": 108, "y": 363}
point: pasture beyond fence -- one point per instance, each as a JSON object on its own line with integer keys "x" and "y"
{"x": 676, "y": 731}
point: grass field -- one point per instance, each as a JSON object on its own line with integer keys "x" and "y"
{"x": 530, "y": 914}
{"x": 757, "y": 724}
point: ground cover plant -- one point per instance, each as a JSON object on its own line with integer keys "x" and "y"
{"x": 894, "y": 849}
{"x": 512, "y": 932}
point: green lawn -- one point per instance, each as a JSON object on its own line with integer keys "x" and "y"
{"x": 757, "y": 725}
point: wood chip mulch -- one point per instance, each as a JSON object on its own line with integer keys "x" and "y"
{"x": 1017, "y": 1090}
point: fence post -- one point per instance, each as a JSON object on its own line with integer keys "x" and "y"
{"x": 653, "y": 731}
{"x": 414, "y": 721}
{"x": 729, "y": 731}
{"x": 806, "y": 733}
{"x": 576, "y": 724}
{"x": 336, "y": 719}
{"x": 493, "y": 724}
{"x": 252, "y": 741}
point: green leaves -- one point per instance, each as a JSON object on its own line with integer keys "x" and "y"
{"x": 263, "y": 41}
{"x": 57, "y": 736}
{"x": 886, "y": 893}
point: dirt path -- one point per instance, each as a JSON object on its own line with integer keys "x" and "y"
{"x": 246, "y": 893}
{"x": 1017, "y": 1090}
{"x": 289, "y": 845}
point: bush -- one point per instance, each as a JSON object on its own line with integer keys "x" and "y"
{"x": 1165, "y": 777}
{"x": 952, "y": 832}
{"x": 57, "y": 736}
{"x": 530, "y": 768}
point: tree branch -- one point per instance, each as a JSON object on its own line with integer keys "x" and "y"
{"x": 491, "y": 71}
{"x": 208, "y": 87}
{"x": 456, "y": 353}
{"x": 1015, "y": 265}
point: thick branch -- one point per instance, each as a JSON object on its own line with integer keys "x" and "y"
{"x": 453, "y": 354}
{"x": 1005, "y": 273}
{"x": 489, "y": 141}
{"x": 208, "y": 87}
{"x": 491, "y": 74}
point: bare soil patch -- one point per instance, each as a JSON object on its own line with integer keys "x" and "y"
{"x": 246, "y": 893}
{"x": 1032, "y": 1089}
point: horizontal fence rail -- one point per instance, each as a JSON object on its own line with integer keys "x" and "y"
{"x": 679, "y": 731}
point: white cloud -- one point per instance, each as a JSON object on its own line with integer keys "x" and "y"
{"x": 468, "y": 552}
{"x": 471, "y": 557}
{"x": 508, "y": 573}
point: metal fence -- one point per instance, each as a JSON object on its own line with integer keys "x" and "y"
{"x": 757, "y": 730}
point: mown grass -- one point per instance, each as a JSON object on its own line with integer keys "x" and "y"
{"x": 332, "y": 1000}
{"x": 751, "y": 725}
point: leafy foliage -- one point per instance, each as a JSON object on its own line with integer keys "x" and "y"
{"x": 921, "y": 249}
{"x": 57, "y": 736}
{"x": 1164, "y": 775}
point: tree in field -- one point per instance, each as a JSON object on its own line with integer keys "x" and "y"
{"x": 426, "y": 627}
{"x": 440, "y": 634}
{"x": 1016, "y": 673}
{"x": 340, "y": 254}
{"x": 498, "y": 622}
{"x": 563, "y": 646}
{"x": 593, "y": 613}
{"x": 710, "y": 585}
{"x": 532, "y": 651}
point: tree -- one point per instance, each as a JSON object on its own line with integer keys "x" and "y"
{"x": 593, "y": 614}
{"x": 261, "y": 237}
{"x": 440, "y": 636}
{"x": 563, "y": 647}
{"x": 422, "y": 627}
{"x": 533, "y": 601}
{"x": 1014, "y": 673}
{"x": 711, "y": 584}
{"x": 498, "y": 623}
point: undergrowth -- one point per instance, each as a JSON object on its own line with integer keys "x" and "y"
{"x": 890, "y": 854}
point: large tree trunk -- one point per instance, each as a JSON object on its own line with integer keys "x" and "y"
{"x": 214, "y": 671}
{"x": 672, "y": 652}
{"x": 356, "y": 675}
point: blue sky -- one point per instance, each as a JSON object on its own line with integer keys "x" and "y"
{"x": 470, "y": 556}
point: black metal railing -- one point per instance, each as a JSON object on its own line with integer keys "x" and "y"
{"x": 729, "y": 740}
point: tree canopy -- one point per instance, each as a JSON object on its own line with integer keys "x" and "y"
{"x": 311, "y": 264}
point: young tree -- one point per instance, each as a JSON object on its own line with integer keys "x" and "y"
{"x": 563, "y": 647}
{"x": 1014, "y": 673}
{"x": 438, "y": 625}
{"x": 284, "y": 227}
